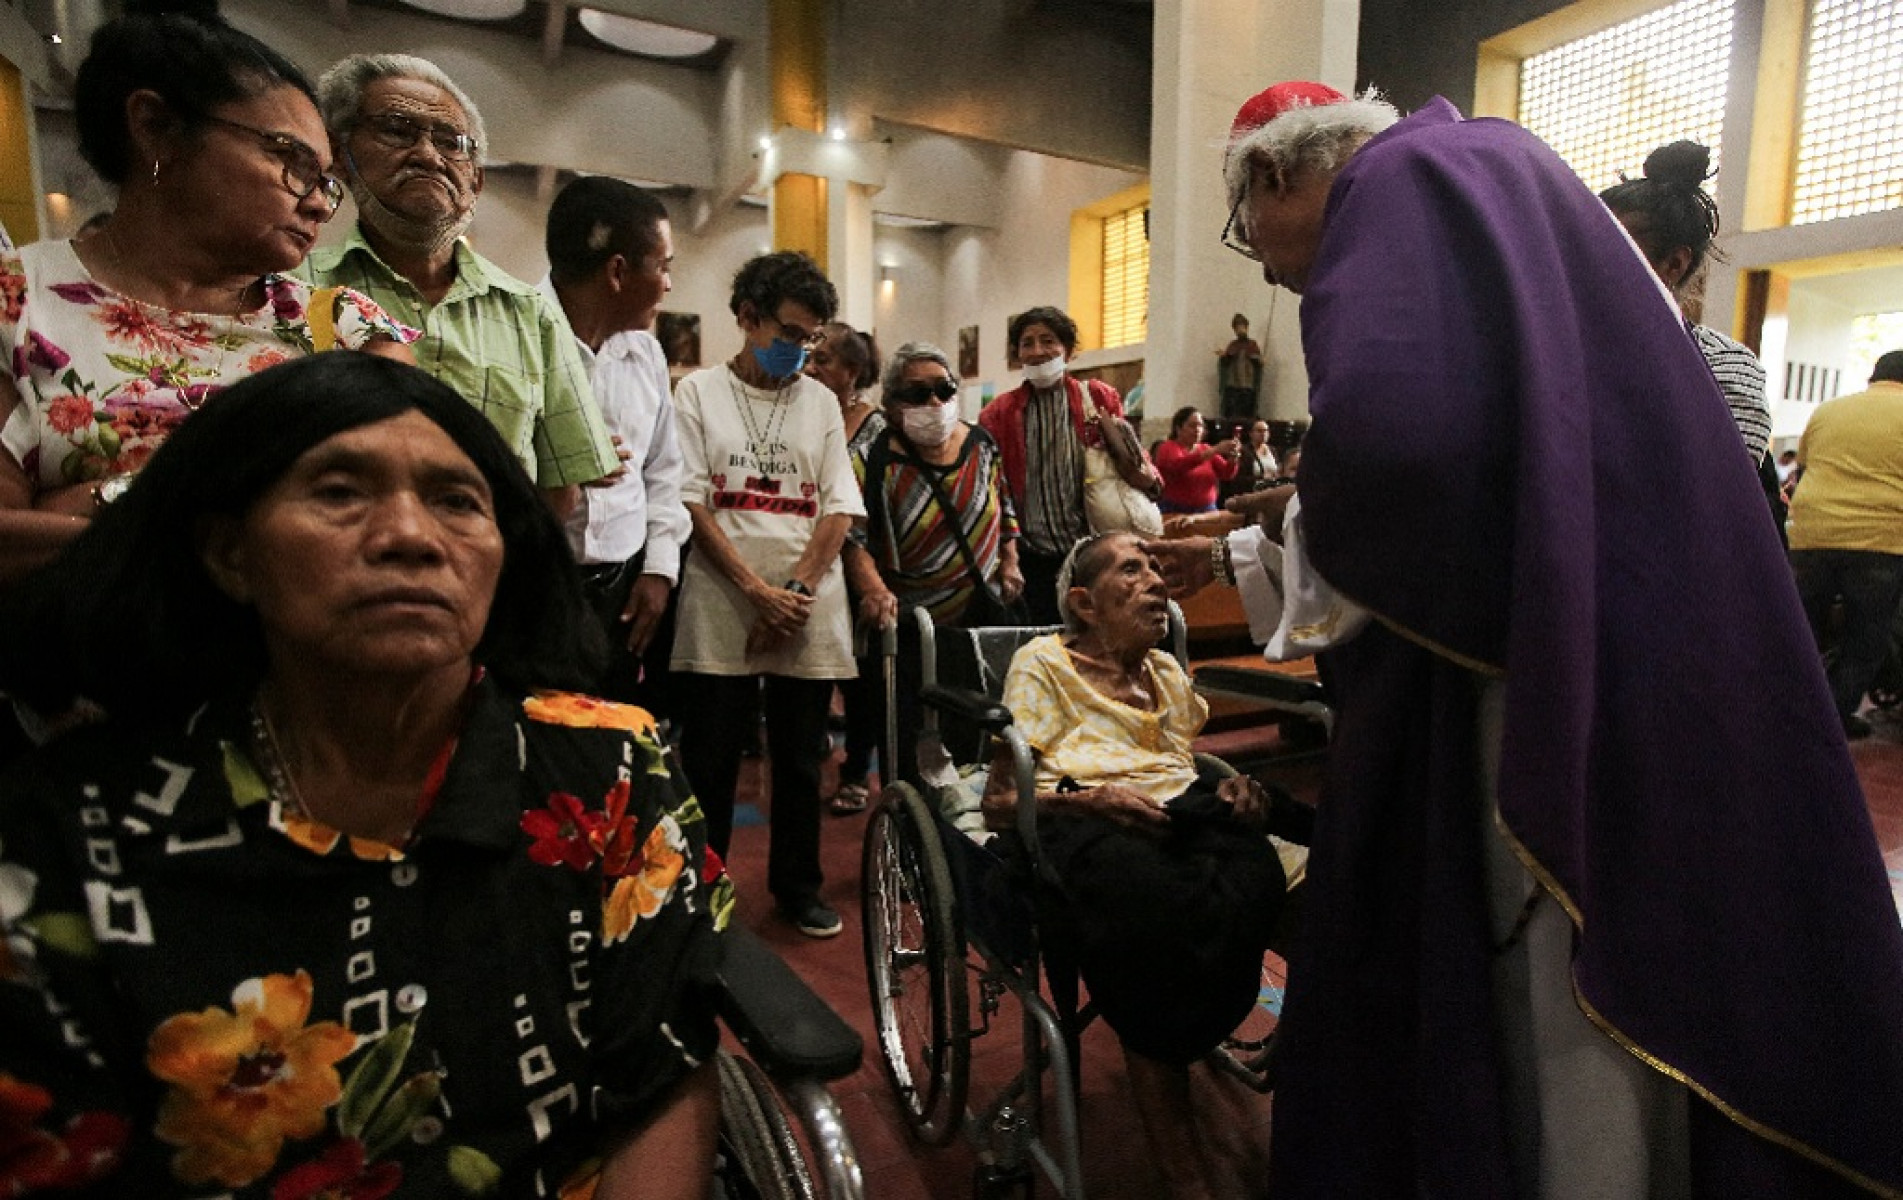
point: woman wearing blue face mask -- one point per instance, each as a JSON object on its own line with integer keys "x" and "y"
{"x": 940, "y": 532}
{"x": 771, "y": 494}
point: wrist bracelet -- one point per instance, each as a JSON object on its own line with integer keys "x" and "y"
{"x": 1220, "y": 564}
{"x": 797, "y": 588}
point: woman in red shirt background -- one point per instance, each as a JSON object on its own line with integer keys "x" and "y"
{"x": 1192, "y": 470}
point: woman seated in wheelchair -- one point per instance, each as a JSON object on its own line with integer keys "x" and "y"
{"x": 1145, "y": 849}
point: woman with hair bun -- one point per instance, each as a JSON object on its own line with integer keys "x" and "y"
{"x": 108, "y": 344}
{"x": 1673, "y": 220}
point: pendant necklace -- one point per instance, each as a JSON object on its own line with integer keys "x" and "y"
{"x": 233, "y": 320}
{"x": 759, "y": 441}
{"x": 270, "y": 757}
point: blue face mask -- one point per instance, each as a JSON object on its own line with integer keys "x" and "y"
{"x": 781, "y": 359}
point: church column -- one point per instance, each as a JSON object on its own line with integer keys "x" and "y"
{"x": 1210, "y": 56}
{"x": 822, "y": 195}
{"x": 796, "y": 52}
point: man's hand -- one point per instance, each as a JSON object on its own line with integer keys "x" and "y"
{"x": 1184, "y": 563}
{"x": 782, "y": 611}
{"x": 647, "y": 601}
{"x": 1247, "y": 799}
{"x": 1266, "y": 508}
{"x": 879, "y": 609}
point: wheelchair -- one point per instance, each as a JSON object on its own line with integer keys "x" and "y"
{"x": 932, "y": 895}
{"x": 795, "y": 1045}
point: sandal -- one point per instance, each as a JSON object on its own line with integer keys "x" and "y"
{"x": 849, "y": 799}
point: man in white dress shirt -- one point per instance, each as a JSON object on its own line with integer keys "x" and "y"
{"x": 609, "y": 251}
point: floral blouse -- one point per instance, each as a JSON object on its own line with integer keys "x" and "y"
{"x": 104, "y": 379}
{"x": 206, "y": 995}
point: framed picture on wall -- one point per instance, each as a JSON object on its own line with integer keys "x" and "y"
{"x": 679, "y": 334}
{"x": 968, "y": 352}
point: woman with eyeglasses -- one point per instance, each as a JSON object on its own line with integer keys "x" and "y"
{"x": 765, "y": 626}
{"x": 940, "y": 531}
{"x": 108, "y": 344}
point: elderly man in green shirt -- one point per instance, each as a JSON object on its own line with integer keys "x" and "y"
{"x": 409, "y": 144}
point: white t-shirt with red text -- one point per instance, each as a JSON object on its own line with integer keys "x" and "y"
{"x": 770, "y": 465}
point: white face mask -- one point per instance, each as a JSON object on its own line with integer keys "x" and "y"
{"x": 928, "y": 424}
{"x": 1044, "y": 374}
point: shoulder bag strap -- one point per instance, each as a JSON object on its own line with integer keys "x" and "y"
{"x": 950, "y": 514}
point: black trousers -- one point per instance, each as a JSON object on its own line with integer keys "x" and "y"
{"x": 718, "y": 715}
{"x": 1871, "y": 584}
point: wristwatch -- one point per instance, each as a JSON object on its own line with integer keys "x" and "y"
{"x": 108, "y": 490}
{"x": 798, "y": 588}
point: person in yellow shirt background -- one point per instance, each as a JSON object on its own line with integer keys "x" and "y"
{"x": 1846, "y": 530}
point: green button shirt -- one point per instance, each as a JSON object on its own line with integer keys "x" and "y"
{"x": 498, "y": 342}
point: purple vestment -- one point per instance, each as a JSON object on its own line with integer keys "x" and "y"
{"x": 1521, "y": 464}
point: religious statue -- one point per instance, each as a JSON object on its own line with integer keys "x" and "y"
{"x": 1239, "y": 368}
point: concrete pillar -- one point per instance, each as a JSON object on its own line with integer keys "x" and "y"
{"x": 796, "y": 53}
{"x": 821, "y": 198}
{"x": 1210, "y": 56}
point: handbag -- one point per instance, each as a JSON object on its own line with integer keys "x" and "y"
{"x": 1111, "y": 504}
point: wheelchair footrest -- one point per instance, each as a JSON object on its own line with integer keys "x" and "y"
{"x": 783, "y": 1024}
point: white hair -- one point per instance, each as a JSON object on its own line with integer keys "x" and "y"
{"x": 1321, "y": 136}
{"x": 340, "y": 90}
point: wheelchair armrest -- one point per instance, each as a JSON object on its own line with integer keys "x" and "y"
{"x": 1269, "y": 686}
{"x": 976, "y": 707}
{"x": 787, "y": 1028}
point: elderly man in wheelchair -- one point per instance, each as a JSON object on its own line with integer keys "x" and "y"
{"x": 1143, "y": 870}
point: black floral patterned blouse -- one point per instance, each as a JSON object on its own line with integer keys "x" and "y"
{"x": 204, "y": 994}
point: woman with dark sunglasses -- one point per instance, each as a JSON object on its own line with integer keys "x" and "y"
{"x": 108, "y": 344}
{"x": 940, "y": 531}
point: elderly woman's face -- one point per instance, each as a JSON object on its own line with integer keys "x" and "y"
{"x": 829, "y": 366}
{"x": 376, "y": 554}
{"x": 249, "y": 155}
{"x": 1038, "y": 342}
{"x": 1128, "y": 599}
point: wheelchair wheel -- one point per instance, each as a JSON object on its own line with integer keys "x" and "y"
{"x": 915, "y": 963}
{"x": 760, "y": 1157}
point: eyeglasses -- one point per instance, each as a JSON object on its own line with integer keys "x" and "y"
{"x": 1232, "y": 232}
{"x": 936, "y": 392}
{"x": 302, "y": 172}
{"x": 394, "y": 131}
{"x": 796, "y": 336}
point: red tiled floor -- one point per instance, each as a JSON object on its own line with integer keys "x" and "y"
{"x": 1117, "y": 1162}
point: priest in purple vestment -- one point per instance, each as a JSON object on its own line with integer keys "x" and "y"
{"x": 1595, "y": 907}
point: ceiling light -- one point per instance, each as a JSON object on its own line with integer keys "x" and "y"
{"x": 839, "y": 133}
{"x": 472, "y": 10}
{"x": 766, "y": 143}
{"x": 646, "y": 37}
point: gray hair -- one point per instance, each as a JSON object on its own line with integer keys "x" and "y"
{"x": 340, "y": 90}
{"x": 1318, "y": 137}
{"x": 1081, "y": 567}
{"x": 905, "y": 356}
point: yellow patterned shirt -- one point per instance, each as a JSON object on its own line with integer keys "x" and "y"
{"x": 1080, "y": 732}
